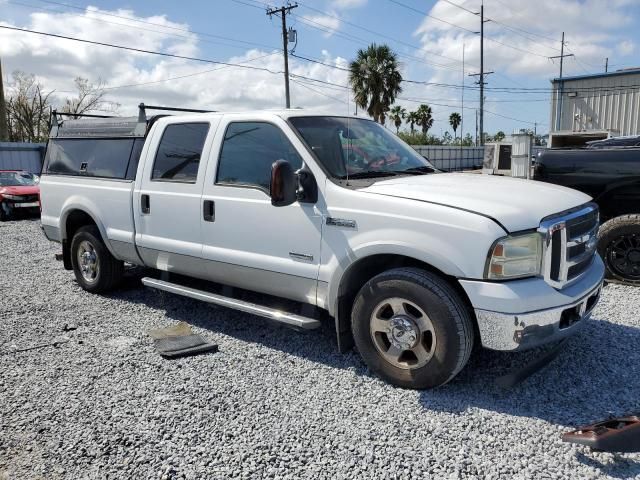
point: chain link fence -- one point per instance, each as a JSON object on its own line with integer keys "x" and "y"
{"x": 451, "y": 158}
{"x": 455, "y": 159}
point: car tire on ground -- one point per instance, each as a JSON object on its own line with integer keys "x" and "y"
{"x": 619, "y": 247}
{"x": 96, "y": 270}
{"x": 4, "y": 216}
{"x": 412, "y": 328}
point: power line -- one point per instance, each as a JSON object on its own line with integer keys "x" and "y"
{"x": 140, "y": 50}
{"x": 408, "y": 7}
{"x": 169, "y": 27}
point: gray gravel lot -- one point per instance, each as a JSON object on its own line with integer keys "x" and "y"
{"x": 274, "y": 402}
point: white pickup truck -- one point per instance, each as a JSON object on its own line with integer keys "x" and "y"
{"x": 336, "y": 213}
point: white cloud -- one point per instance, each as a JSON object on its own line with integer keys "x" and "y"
{"x": 56, "y": 62}
{"x": 329, "y": 22}
{"x": 520, "y": 40}
{"x": 347, "y": 4}
{"x": 626, "y": 47}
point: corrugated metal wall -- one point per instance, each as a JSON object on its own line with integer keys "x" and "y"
{"x": 593, "y": 104}
{"x": 22, "y": 156}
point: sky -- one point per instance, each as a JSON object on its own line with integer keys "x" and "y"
{"x": 428, "y": 36}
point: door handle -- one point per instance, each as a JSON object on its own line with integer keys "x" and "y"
{"x": 145, "y": 203}
{"x": 209, "y": 211}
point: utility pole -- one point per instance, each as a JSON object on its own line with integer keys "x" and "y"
{"x": 561, "y": 83}
{"x": 476, "y": 127}
{"x": 606, "y": 65}
{"x": 283, "y": 15}
{"x": 482, "y": 83}
{"x": 462, "y": 100}
{"x": 4, "y": 129}
{"x": 482, "y": 73}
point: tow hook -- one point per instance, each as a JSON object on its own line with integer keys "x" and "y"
{"x": 614, "y": 435}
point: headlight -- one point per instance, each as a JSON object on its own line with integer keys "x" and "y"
{"x": 12, "y": 197}
{"x": 515, "y": 257}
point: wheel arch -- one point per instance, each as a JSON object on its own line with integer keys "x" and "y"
{"x": 361, "y": 271}
{"x": 73, "y": 218}
{"x": 611, "y": 207}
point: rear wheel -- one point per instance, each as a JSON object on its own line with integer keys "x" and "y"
{"x": 412, "y": 328}
{"x": 619, "y": 246}
{"x": 96, "y": 270}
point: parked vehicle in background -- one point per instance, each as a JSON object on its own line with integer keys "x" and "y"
{"x": 628, "y": 141}
{"x": 19, "y": 194}
{"x": 610, "y": 174}
{"x": 330, "y": 212}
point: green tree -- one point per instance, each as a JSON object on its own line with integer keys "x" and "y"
{"x": 375, "y": 80}
{"x": 425, "y": 118}
{"x": 454, "y": 120}
{"x": 499, "y": 136}
{"x": 397, "y": 114}
{"x": 413, "y": 119}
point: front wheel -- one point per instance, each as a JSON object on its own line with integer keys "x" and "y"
{"x": 96, "y": 270}
{"x": 619, "y": 247}
{"x": 412, "y": 328}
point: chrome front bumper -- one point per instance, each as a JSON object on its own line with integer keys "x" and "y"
{"x": 514, "y": 332}
{"x": 527, "y": 313}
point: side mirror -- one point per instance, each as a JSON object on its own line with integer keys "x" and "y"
{"x": 283, "y": 184}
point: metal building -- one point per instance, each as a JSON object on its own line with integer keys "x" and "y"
{"x": 22, "y": 156}
{"x": 591, "y": 107}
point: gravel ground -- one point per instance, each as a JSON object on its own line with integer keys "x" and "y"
{"x": 274, "y": 402}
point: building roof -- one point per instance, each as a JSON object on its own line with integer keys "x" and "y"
{"x": 627, "y": 71}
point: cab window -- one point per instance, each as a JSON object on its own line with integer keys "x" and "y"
{"x": 248, "y": 151}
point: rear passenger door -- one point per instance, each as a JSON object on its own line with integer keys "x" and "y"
{"x": 167, "y": 198}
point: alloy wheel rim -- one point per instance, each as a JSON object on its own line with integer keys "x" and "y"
{"x": 88, "y": 261}
{"x": 623, "y": 256}
{"x": 402, "y": 333}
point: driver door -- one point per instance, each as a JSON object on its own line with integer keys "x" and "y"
{"x": 247, "y": 241}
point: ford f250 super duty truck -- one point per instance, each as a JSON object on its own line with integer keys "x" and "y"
{"x": 413, "y": 265}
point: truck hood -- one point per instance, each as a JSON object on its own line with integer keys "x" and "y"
{"x": 515, "y": 203}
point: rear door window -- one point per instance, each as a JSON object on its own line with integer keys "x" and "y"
{"x": 178, "y": 155}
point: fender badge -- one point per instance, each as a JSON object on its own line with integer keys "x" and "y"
{"x": 341, "y": 222}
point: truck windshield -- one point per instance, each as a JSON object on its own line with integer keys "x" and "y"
{"x": 16, "y": 179}
{"x": 358, "y": 148}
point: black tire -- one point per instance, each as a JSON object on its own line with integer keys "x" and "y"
{"x": 452, "y": 326}
{"x": 619, "y": 247}
{"x": 110, "y": 270}
{"x": 4, "y": 216}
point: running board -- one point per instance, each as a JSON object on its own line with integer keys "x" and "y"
{"x": 287, "y": 318}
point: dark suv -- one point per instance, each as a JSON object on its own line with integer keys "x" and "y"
{"x": 610, "y": 173}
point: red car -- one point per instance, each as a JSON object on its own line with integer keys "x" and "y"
{"x": 19, "y": 193}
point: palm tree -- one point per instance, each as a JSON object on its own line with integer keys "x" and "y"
{"x": 425, "y": 119}
{"x": 375, "y": 80}
{"x": 398, "y": 114}
{"x": 454, "y": 121}
{"x": 413, "y": 118}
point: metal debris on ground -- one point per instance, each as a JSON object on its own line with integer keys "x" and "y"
{"x": 178, "y": 341}
{"x": 55, "y": 343}
{"x": 621, "y": 435}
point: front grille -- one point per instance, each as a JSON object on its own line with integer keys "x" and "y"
{"x": 25, "y": 198}
{"x": 570, "y": 240}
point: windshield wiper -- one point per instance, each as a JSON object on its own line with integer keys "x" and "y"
{"x": 368, "y": 174}
{"x": 417, "y": 170}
